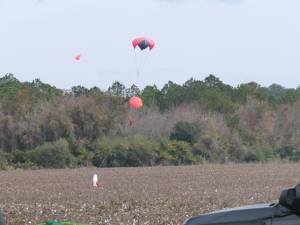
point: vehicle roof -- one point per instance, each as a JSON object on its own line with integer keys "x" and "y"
{"x": 241, "y": 214}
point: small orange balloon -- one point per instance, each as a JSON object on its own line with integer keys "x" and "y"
{"x": 135, "y": 102}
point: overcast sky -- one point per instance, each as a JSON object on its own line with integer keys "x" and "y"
{"x": 237, "y": 40}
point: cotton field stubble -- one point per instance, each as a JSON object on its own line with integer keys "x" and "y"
{"x": 156, "y": 196}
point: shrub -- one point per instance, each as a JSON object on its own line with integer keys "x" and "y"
{"x": 52, "y": 155}
{"x": 84, "y": 157}
{"x": 289, "y": 152}
{"x": 176, "y": 152}
{"x": 19, "y": 157}
{"x": 200, "y": 151}
{"x": 266, "y": 154}
{"x": 185, "y": 131}
{"x": 251, "y": 156}
{"x": 3, "y": 160}
{"x": 142, "y": 152}
{"x": 110, "y": 152}
{"x": 135, "y": 151}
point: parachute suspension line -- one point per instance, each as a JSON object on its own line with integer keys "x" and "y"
{"x": 130, "y": 118}
{"x": 143, "y": 45}
{"x": 141, "y": 60}
{"x": 135, "y": 102}
{"x": 136, "y": 66}
{"x": 144, "y": 60}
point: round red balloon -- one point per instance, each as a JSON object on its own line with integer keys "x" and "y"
{"x": 135, "y": 102}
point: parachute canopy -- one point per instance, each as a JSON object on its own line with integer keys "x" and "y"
{"x": 77, "y": 57}
{"x": 143, "y": 43}
{"x": 135, "y": 102}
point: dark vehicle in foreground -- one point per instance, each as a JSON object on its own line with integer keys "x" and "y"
{"x": 285, "y": 212}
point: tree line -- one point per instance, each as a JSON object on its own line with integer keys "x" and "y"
{"x": 196, "y": 122}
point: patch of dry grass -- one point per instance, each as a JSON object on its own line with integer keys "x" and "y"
{"x": 156, "y": 196}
